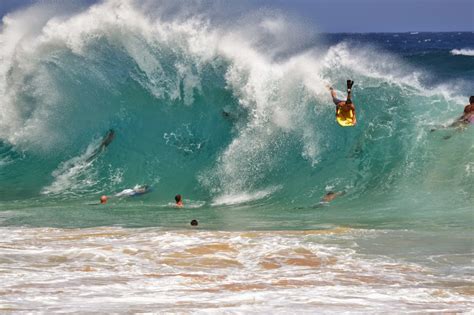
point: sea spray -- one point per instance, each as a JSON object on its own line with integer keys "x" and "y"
{"x": 220, "y": 113}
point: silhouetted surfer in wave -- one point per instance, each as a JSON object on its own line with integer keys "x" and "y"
{"x": 108, "y": 138}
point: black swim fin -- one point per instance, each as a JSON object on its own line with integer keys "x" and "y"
{"x": 349, "y": 84}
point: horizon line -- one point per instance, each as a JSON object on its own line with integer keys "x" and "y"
{"x": 394, "y": 32}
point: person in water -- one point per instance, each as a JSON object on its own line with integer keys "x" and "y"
{"x": 103, "y": 200}
{"x": 466, "y": 118}
{"x": 344, "y": 107}
{"x": 326, "y": 199}
{"x": 135, "y": 191}
{"x": 468, "y": 115}
{"x": 179, "y": 201}
{"x": 194, "y": 222}
{"x": 330, "y": 196}
{"x": 106, "y": 140}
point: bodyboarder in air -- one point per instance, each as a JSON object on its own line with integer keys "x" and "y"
{"x": 345, "y": 110}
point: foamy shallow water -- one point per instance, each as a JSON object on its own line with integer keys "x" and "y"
{"x": 113, "y": 269}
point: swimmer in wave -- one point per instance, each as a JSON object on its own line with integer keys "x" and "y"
{"x": 467, "y": 118}
{"x": 179, "y": 201}
{"x": 106, "y": 140}
{"x": 135, "y": 191}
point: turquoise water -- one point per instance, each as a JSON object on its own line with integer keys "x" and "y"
{"x": 276, "y": 153}
{"x": 238, "y": 120}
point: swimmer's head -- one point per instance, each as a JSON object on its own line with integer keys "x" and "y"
{"x": 103, "y": 199}
{"x": 471, "y": 100}
{"x": 194, "y": 222}
{"x": 177, "y": 198}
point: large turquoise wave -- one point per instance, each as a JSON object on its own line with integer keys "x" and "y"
{"x": 225, "y": 115}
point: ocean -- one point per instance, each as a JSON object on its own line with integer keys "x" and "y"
{"x": 234, "y": 114}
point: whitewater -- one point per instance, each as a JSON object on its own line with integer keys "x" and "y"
{"x": 233, "y": 112}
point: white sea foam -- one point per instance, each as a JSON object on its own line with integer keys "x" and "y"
{"x": 75, "y": 175}
{"x": 188, "y": 204}
{"x": 462, "y": 52}
{"x": 19, "y": 121}
{"x": 5, "y": 161}
{"x": 242, "y": 197}
{"x": 6, "y": 215}
{"x": 145, "y": 270}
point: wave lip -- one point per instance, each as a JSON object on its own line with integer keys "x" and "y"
{"x": 462, "y": 52}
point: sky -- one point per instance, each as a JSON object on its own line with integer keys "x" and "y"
{"x": 351, "y": 15}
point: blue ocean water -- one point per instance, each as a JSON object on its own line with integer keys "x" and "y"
{"x": 224, "y": 136}
{"x": 239, "y": 121}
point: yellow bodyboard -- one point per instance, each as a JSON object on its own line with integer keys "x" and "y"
{"x": 346, "y": 119}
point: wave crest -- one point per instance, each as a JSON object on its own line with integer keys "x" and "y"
{"x": 462, "y": 52}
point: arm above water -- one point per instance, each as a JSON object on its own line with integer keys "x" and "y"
{"x": 333, "y": 92}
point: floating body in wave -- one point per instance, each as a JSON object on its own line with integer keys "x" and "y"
{"x": 330, "y": 196}
{"x": 467, "y": 118}
{"x": 135, "y": 191}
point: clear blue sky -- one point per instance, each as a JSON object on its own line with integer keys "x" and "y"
{"x": 352, "y": 15}
{"x": 385, "y": 15}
